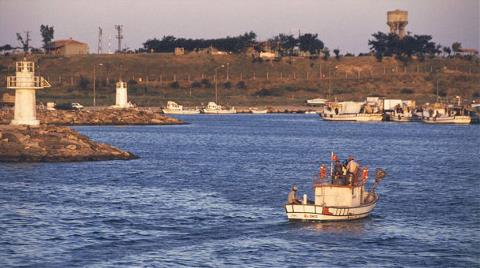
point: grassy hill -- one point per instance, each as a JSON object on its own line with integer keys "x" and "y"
{"x": 189, "y": 79}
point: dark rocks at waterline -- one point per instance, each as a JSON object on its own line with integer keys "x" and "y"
{"x": 97, "y": 117}
{"x": 53, "y": 144}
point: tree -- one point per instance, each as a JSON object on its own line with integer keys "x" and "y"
{"x": 326, "y": 53}
{"x": 169, "y": 43}
{"x": 284, "y": 43}
{"x": 447, "y": 50}
{"x": 457, "y": 47}
{"x": 337, "y": 53}
{"x": 25, "y": 42}
{"x": 310, "y": 42}
{"x": 403, "y": 48}
{"x": 6, "y": 47}
{"x": 47, "y": 36}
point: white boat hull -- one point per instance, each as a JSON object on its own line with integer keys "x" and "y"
{"x": 400, "y": 118}
{"x": 219, "y": 111}
{"x": 462, "y": 119}
{"x": 311, "y": 212}
{"x": 166, "y": 111}
{"x": 352, "y": 117}
{"x": 258, "y": 111}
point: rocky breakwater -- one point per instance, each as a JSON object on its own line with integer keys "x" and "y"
{"x": 53, "y": 144}
{"x": 97, "y": 117}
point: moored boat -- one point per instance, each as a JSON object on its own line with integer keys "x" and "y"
{"x": 351, "y": 111}
{"x": 213, "y": 108}
{"x": 439, "y": 113}
{"x": 445, "y": 119}
{"x": 359, "y": 117}
{"x": 257, "y": 111}
{"x": 337, "y": 197}
{"x": 174, "y": 108}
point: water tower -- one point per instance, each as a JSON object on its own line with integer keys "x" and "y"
{"x": 25, "y": 83}
{"x": 121, "y": 100}
{"x": 397, "y": 20}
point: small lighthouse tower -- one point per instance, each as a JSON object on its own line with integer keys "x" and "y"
{"x": 122, "y": 98}
{"x": 25, "y": 83}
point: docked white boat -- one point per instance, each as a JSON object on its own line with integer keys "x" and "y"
{"x": 439, "y": 113}
{"x": 401, "y": 116}
{"x": 350, "y": 111}
{"x": 316, "y": 102}
{"x": 444, "y": 119}
{"x": 258, "y": 111}
{"x": 336, "y": 201}
{"x": 174, "y": 108}
{"x": 351, "y": 117}
{"x": 213, "y": 108}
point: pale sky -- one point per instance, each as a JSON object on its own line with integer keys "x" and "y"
{"x": 344, "y": 24}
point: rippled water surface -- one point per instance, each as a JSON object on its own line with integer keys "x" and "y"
{"x": 210, "y": 194}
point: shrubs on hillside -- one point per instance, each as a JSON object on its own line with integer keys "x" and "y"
{"x": 241, "y": 85}
{"x": 407, "y": 91}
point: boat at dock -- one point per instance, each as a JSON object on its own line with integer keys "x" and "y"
{"x": 439, "y": 113}
{"x": 351, "y": 111}
{"x": 213, "y": 108}
{"x": 445, "y": 119}
{"x": 337, "y": 197}
{"x": 257, "y": 111}
{"x": 174, "y": 108}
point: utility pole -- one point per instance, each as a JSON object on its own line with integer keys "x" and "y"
{"x": 216, "y": 83}
{"x": 119, "y": 36}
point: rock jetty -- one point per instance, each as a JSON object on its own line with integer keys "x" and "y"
{"x": 97, "y": 117}
{"x": 53, "y": 144}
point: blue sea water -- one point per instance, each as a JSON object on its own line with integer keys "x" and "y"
{"x": 210, "y": 194}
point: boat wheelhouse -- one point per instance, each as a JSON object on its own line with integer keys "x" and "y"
{"x": 174, "y": 108}
{"x": 213, "y": 108}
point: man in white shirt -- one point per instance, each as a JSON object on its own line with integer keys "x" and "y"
{"x": 352, "y": 168}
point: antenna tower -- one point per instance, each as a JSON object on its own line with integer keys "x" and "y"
{"x": 119, "y": 36}
{"x": 100, "y": 33}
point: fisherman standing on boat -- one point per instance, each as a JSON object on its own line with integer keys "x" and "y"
{"x": 292, "y": 196}
{"x": 338, "y": 173}
{"x": 352, "y": 168}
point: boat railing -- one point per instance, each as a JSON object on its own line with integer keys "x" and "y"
{"x": 339, "y": 180}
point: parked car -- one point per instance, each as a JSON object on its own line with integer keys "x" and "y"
{"x": 77, "y": 106}
{"x": 69, "y": 106}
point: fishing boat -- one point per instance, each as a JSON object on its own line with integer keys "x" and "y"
{"x": 257, "y": 111}
{"x": 337, "y": 197}
{"x": 439, "y": 113}
{"x": 213, "y": 108}
{"x": 399, "y": 110}
{"x": 445, "y": 119}
{"x": 350, "y": 111}
{"x": 174, "y": 108}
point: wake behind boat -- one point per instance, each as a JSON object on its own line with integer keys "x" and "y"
{"x": 340, "y": 196}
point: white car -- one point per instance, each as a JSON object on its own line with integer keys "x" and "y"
{"x": 76, "y": 105}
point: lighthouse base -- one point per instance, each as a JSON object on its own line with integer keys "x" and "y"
{"x": 32, "y": 122}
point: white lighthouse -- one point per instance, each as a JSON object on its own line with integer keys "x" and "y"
{"x": 25, "y": 83}
{"x": 122, "y": 97}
